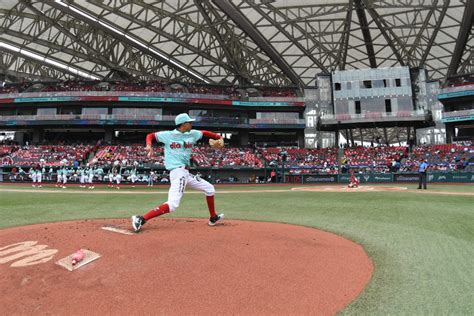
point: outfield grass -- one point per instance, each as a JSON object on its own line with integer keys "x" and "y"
{"x": 422, "y": 245}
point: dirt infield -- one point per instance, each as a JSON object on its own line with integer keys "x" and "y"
{"x": 344, "y": 188}
{"x": 377, "y": 188}
{"x": 180, "y": 266}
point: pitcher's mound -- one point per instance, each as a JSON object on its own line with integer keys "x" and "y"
{"x": 182, "y": 267}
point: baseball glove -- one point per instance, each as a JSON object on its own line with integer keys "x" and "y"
{"x": 216, "y": 143}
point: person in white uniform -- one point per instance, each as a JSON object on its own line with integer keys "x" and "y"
{"x": 82, "y": 177}
{"x": 90, "y": 177}
{"x": 39, "y": 175}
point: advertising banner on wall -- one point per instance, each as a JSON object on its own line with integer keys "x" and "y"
{"x": 367, "y": 177}
{"x": 405, "y": 177}
{"x": 450, "y": 177}
{"x": 320, "y": 178}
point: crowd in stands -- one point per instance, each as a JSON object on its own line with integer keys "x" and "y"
{"x": 153, "y": 86}
{"x": 278, "y": 92}
{"x": 446, "y": 157}
{"x": 456, "y": 81}
{"x": 374, "y": 159}
{"x": 227, "y": 157}
{"x": 141, "y": 86}
{"x": 49, "y": 155}
{"x": 9, "y": 90}
{"x": 230, "y": 91}
{"x": 7, "y": 149}
{"x": 5, "y": 154}
{"x": 128, "y": 155}
{"x": 302, "y": 160}
{"x": 382, "y": 159}
{"x": 70, "y": 85}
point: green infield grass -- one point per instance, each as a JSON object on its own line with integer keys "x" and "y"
{"x": 422, "y": 245}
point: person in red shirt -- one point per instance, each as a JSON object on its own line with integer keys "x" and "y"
{"x": 353, "y": 181}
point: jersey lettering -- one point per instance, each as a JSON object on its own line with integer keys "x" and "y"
{"x": 175, "y": 145}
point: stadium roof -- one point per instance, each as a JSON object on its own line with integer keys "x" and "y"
{"x": 279, "y": 42}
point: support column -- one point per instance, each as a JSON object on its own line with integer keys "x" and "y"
{"x": 449, "y": 133}
{"x": 19, "y": 138}
{"x": 432, "y": 135}
{"x": 37, "y": 135}
{"x": 300, "y": 136}
{"x": 109, "y": 134}
{"x": 244, "y": 138}
{"x": 352, "y": 137}
{"x": 336, "y": 138}
{"x": 346, "y": 133}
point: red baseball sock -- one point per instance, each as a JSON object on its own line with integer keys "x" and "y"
{"x": 157, "y": 211}
{"x": 210, "y": 205}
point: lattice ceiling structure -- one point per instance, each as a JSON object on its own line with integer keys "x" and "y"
{"x": 281, "y": 42}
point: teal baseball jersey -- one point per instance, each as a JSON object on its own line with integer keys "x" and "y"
{"x": 178, "y": 146}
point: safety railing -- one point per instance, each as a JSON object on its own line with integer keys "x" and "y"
{"x": 161, "y": 118}
{"x": 458, "y": 113}
{"x": 372, "y": 116}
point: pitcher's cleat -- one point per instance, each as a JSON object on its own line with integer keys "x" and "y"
{"x": 216, "y": 219}
{"x": 137, "y": 222}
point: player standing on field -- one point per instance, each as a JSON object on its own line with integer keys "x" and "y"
{"x": 133, "y": 174}
{"x": 39, "y": 174}
{"x": 178, "y": 147}
{"x": 90, "y": 177}
{"x": 82, "y": 177}
{"x": 117, "y": 173}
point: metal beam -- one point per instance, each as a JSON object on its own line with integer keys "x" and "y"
{"x": 40, "y": 62}
{"x": 122, "y": 36}
{"x": 384, "y": 29}
{"x": 93, "y": 54}
{"x": 342, "y": 54}
{"x": 364, "y": 26}
{"x": 241, "y": 20}
{"x": 290, "y": 36}
{"x": 435, "y": 32}
{"x": 19, "y": 76}
{"x": 239, "y": 74}
{"x": 162, "y": 32}
{"x": 464, "y": 31}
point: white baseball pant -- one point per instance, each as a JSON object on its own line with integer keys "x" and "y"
{"x": 180, "y": 178}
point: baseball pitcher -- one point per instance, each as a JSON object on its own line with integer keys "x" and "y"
{"x": 178, "y": 147}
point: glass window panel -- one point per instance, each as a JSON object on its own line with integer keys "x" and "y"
{"x": 47, "y": 111}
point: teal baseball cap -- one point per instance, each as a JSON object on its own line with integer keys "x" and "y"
{"x": 183, "y": 118}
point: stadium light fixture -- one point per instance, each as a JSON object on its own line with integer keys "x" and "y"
{"x": 130, "y": 38}
{"x": 46, "y": 60}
